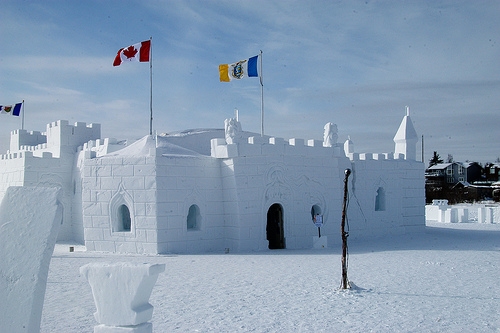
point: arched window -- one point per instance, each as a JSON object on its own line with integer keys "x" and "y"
{"x": 315, "y": 210}
{"x": 193, "y": 218}
{"x": 121, "y": 212}
{"x": 380, "y": 199}
{"x": 124, "y": 221}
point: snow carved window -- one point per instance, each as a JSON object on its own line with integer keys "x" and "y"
{"x": 121, "y": 211}
{"x": 380, "y": 199}
{"x": 193, "y": 218}
{"x": 124, "y": 218}
{"x": 315, "y": 210}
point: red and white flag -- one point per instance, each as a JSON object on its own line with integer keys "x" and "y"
{"x": 138, "y": 52}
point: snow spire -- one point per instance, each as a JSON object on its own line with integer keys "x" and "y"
{"x": 406, "y": 138}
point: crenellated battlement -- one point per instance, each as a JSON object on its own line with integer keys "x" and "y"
{"x": 235, "y": 145}
{"x": 100, "y": 147}
{"x": 61, "y": 134}
{"x": 26, "y": 154}
{"x": 374, "y": 156}
{"x": 22, "y": 138}
{"x": 266, "y": 145}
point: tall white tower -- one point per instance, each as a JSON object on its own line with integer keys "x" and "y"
{"x": 406, "y": 138}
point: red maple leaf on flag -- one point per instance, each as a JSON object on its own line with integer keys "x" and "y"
{"x": 130, "y": 52}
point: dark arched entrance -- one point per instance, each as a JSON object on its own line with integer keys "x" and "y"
{"x": 274, "y": 228}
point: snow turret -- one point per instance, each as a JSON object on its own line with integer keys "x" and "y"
{"x": 348, "y": 146}
{"x": 406, "y": 138}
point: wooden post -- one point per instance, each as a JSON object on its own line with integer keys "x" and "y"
{"x": 345, "y": 283}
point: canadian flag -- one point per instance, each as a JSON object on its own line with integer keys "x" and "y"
{"x": 136, "y": 52}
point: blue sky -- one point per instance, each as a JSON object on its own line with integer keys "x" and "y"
{"x": 354, "y": 63}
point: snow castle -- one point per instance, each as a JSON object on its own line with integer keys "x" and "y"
{"x": 217, "y": 189}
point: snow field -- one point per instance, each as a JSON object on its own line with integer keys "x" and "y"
{"x": 443, "y": 280}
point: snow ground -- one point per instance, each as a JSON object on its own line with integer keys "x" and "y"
{"x": 443, "y": 280}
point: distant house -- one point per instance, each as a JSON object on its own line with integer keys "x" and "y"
{"x": 444, "y": 173}
{"x": 466, "y": 192}
{"x": 452, "y": 181}
{"x": 492, "y": 172}
{"x": 472, "y": 171}
{"x": 496, "y": 190}
{"x": 452, "y": 173}
{"x": 458, "y": 182}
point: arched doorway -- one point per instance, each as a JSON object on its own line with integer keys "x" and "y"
{"x": 274, "y": 228}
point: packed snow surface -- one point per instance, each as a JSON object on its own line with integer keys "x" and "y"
{"x": 443, "y": 280}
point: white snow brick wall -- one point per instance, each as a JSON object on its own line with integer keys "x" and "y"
{"x": 189, "y": 188}
{"x": 30, "y": 218}
{"x": 387, "y": 196}
{"x": 264, "y": 171}
{"x": 160, "y": 191}
{"x": 110, "y": 185}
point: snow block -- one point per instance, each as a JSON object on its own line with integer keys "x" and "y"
{"x": 121, "y": 291}
{"x": 30, "y": 218}
{"x": 485, "y": 215}
{"x": 463, "y": 215}
{"x": 320, "y": 242}
{"x": 451, "y": 215}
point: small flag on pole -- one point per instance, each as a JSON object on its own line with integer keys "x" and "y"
{"x": 138, "y": 53}
{"x": 14, "y": 110}
{"x": 239, "y": 70}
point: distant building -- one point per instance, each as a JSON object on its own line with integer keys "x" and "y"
{"x": 473, "y": 171}
{"x": 452, "y": 173}
{"x": 444, "y": 173}
{"x": 456, "y": 182}
{"x": 492, "y": 172}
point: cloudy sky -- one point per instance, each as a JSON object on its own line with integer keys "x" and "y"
{"x": 354, "y": 63}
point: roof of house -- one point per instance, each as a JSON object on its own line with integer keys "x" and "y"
{"x": 439, "y": 166}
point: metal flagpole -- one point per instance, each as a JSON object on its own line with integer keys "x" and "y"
{"x": 261, "y": 99}
{"x": 151, "y": 85}
{"x": 22, "y": 121}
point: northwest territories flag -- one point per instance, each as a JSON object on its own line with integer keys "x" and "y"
{"x": 9, "y": 109}
{"x": 239, "y": 70}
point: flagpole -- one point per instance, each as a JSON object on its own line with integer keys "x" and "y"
{"x": 151, "y": 85}
{"x": 22, "y": 121}
{"x": 261, "y": 99}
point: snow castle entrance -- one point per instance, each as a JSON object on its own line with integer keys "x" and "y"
{"x": 274, "y": 229}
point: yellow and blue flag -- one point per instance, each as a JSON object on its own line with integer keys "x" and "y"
{"x": 239, "y": 70}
